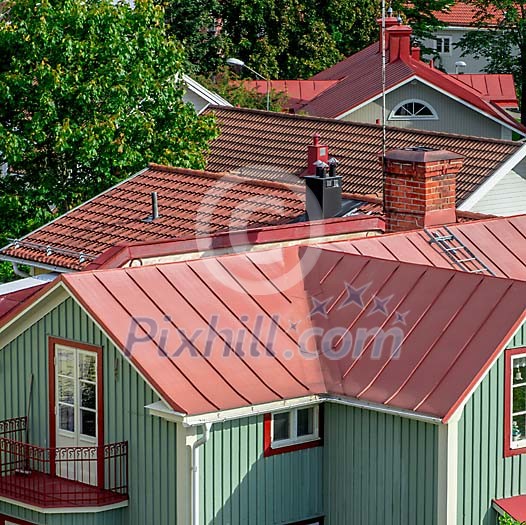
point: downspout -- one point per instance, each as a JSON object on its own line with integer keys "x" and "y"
{"x": 19, "y": 272}
{"x": 195, "y": 471}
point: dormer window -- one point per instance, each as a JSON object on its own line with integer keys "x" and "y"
{"x": 515, "y": 409}
{"x": 413, "y": 110}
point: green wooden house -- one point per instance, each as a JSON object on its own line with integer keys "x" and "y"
{"x": 297, "y": 385}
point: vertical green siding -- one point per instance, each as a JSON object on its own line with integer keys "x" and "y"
{"x": 378, "y": 468}
{"x": 152, "y": 450}
{"x": 239, "y": 486}
{"x": 519, "y": 339}
{"x": 484, "y": 473}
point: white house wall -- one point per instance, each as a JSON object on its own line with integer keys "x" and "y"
{"x": 508, "y": 197}
{"x": 453, "y": 117}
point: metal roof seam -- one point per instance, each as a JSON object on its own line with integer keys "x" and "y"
{"x": 438, "y": 337}
{"x": 121, "y": 304}
{"x": 461, "y": 350}
{"x": 129, "y": 273}
{"x": 396, "y": 350}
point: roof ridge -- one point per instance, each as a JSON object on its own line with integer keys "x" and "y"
{"x": 343, "y": 123}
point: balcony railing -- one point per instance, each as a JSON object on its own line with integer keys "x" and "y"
{"x": 61, "y": 476}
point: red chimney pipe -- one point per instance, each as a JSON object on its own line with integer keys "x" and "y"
{"x": 316, "y": 152}
{"x": 399, "y": 43}
{"x": 390, "y": 21}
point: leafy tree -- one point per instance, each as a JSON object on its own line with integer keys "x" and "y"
{"x": 89, "y": 93}
{"x": 508, "y": 520}
{"x": 502, "y": 40}
{"x": 196, "y": 24}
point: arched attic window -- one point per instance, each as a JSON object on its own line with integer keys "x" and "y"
{"x": 413, "y": 110}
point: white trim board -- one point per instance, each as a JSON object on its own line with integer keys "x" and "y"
{"x": 494, "y": 179}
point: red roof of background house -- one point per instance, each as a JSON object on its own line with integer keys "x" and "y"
{"x": 273, "y": 146}
{"x": 360, "y": 78}
{"x": 514, "y": 507}
{"x": 296, "y": 91}
{"x": 462, "y": 14}
{"x": 500, "y": 89}
{"x": 452, "y": 325}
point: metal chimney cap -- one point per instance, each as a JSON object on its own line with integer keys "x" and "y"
{"x": 333, "y": 160}
{"x": 320, "y": 164}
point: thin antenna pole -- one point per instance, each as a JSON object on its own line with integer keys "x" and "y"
{"x": 384, "y": 131}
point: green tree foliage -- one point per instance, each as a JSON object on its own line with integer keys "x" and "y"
{"x": 508, "y": 520}
{"x": 502, "y": 41}
{"x": 89, "y": 93}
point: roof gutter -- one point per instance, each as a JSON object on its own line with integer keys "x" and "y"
{"x": 492, "y": 181}
{"x": 34, "y": 264}
{"x": 160, "y": 409}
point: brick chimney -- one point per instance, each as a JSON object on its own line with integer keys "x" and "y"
{"x": 316, "y": 152}
{"x": 390, "y": 21}
{"x": 419, "y": 188}
{"x": 399, "y": 38}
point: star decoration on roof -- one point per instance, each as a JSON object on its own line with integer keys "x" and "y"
{"x": 293, "y": 325}
{"x": 380, "y": 305}
{"x": 401, "y": 317}
{"x": 354, "y": 295}
{"x": 319, "y": 307}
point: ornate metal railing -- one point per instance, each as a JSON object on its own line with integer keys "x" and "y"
{"x": 89, "y": 476}
{"x": 14, "y": 428}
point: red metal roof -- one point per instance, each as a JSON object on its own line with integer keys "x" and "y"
{"x": 360, "y": 78}
{"x": 500, "y": 243}
{"x": 296, "y": 91}
{"x": 10, "y": 301}
{"x": 514, "y": 507}
{"x": 239, "y": 330}
{"x": 500, "y": 89}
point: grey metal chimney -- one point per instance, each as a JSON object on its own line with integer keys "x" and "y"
{"x": 323, "y": 192}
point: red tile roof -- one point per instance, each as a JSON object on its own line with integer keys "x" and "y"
{"x": 273, "y": 146}
{"x": 462, "y": 15}
{"x": 514, "y": 507}
{"x": 444, "y": 328}
{"x": 191, "y": 203}
{"x": 500, "y": 89}
{"x": 360, "y": 80}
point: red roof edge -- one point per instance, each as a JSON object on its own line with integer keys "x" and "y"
{"x": 514, "y": 507}
{"x": 485, "y": 368}
{"x": 119, "y": 255}
{"x": 112, "y": 336}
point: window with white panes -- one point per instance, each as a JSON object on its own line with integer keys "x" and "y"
{"x": 518, "y": 401}
{"x": 294, "y": 426}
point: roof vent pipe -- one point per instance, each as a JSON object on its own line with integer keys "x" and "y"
{"x": 321, "y": 169}
{"x": 332, "y": 167}
{"x": 155, "y": 206}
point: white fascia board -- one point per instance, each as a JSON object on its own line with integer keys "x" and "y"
{"x": 205, "y": 93}
{"x": 468, "y": 105}
{"x": 26, "y": 283}
{"x": 494, "y": 179}
{"x": 64, "y": 510}
{"x": 161, "y": 409}
{"x": 30, "y": 263}
{"x": 376, "y": 97}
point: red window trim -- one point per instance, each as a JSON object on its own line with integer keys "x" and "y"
{"x": 52, "y": 342}
{"x": 267, "y": 440}
{"x": 3, "y": 519}
{"x": 508, "y": 451}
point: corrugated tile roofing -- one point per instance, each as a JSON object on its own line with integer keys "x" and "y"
{"x": 191, "y": 203}
{"x": 463, "y": 14}
{"x": 273, "y": 146}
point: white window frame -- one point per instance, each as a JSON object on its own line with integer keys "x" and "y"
{"x": 514, "y": 445}
{"x": 442, "y": 39}
{"x": 293, "y": 428}
{"x": 394, "y": 116}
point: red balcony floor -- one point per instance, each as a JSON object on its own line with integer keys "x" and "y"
{"x": 43, "y": 490}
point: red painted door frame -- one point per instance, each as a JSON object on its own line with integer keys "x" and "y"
{"x": 52, "y": 342}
